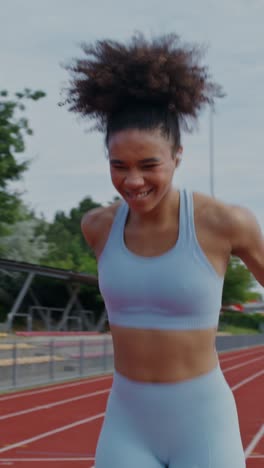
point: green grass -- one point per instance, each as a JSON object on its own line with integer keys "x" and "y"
{"x": 237, "y": 330}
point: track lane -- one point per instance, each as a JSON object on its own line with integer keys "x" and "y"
{"x": 21, "y": 427}
{"x": 244, "y": 353}
{"x": 249, "y": 400}
{"x": 34, "y": 401}
{"x": 52, "y": 387}
{"x": 81, "y": 437}
{"x": 242, "y": 373}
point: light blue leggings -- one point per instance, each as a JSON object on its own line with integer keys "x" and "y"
{"x": 189, "y": 424}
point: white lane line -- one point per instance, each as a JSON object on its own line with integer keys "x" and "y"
{"x": 101, "y": 415}
{"x": 237, "y": 366}
{"x": 54, "y": 387}
{"x": 51, "y": 405}
{"x": 258, "y": 436}
{"x": 49, "y": 433}
{"x": 240, "y": 356}
{"x": 248, "y": 379}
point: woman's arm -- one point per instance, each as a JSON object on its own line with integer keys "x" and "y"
{"x": 247, "y": 240}
{"x": 90, "y": 225}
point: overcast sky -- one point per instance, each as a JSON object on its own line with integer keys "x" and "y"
{"x": 67, "y": 162}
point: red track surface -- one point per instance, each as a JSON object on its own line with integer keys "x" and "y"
{"x": 58, "y": 426}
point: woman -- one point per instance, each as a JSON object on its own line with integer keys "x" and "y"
{"x": 162, "y": 255}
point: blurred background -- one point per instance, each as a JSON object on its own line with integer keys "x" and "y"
{"x": 53, "y": 169}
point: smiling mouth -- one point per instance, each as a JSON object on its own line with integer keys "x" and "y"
{"x": 139, "y": 195}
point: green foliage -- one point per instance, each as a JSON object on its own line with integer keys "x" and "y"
{"x": 9, "y": 204}
{"x": 241, "y": 319}
{"x": 13, "y": 128}
{"x": 59, "y": 244}
{"x": 235, "y": 330}
{"x": 67, "y": 247}
{"x": 238, "y": 283}
{"x": 24, "y": 241}
{"x": 10, "y": 284}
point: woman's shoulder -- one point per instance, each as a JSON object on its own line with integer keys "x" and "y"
{"x": 210, "y": 206}
{"x": 241, "y": 230}
{"x": 97, "y": 222}
{"x": 219, "y": 215}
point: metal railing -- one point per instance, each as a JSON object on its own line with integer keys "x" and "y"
{"x": 25, "y": 363}
{"x": 30, "y": 362}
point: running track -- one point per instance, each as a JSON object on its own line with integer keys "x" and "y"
{"x": 58, "y": 426}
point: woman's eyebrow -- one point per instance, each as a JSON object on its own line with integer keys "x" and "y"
{"x": 149, "y": 160}
{"x": 116, "y": 161}
{"x": 141, "y": 161}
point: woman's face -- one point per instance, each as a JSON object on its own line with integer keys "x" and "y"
{"x": 142, "y": 166}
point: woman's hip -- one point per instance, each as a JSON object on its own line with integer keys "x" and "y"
{"x": 203, "y": 398}
{"x": 169, "y": 418}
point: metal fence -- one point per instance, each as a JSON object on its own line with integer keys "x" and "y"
{"x": 28, "y": 362}
{"x": 25, "y": 363}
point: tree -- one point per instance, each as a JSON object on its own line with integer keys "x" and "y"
{"x": 25, "y": 242}
{"x": 59, "y": 244}
{"x": 13, "y": 129}
{"x": 67, "y": 247}
{"x": 238, "y": 283}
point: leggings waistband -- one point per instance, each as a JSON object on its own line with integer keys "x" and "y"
{"x": 204, "y": 384}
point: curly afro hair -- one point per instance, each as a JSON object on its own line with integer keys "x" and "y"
{"x": 142, "y": 84}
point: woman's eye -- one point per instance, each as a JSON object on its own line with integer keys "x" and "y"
{"x": 122, "y": 168}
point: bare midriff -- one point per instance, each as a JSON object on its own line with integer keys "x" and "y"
{"x": 163, "y": 355}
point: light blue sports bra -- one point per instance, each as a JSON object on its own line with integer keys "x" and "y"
{"x": 179, "y": 289}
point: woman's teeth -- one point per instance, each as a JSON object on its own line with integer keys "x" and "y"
{"x": 136, "y": 196}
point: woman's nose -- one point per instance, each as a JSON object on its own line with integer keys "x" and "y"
{"x": 134, "y": 181}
